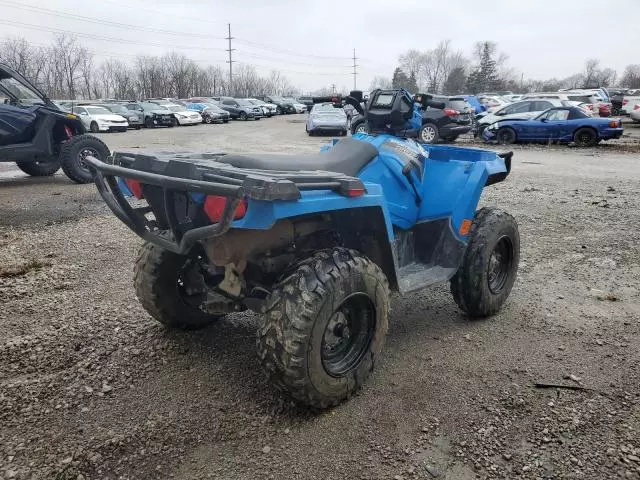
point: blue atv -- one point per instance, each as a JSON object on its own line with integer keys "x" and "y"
{"x": 316, "y": 243}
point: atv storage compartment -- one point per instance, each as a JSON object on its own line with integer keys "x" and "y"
{"x": 182, "y": 189}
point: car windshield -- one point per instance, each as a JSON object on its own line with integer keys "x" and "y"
{"x": 244, "y": 102}
{"x": 277, "y": 99}
{"x": 459, "y": 104}
{"x": 97, "y": 111}
{"x": 117, "y": 109}
{"x": 23, "y": 93}
{"x": 177, "y": 108}
{"x": 213, "y": 107}
{"x": 254, "y": 101}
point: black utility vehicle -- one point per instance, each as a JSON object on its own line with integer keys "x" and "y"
{"x": 40, "y": 137}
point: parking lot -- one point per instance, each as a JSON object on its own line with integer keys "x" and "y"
{"x": 91, "y": 387}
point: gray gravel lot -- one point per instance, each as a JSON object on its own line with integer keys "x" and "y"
{"x": 92, "y": 388}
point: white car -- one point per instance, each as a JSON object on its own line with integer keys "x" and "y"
{"x": 635, "y": 113}
{"x": 268, "y": 109}
{"x": 629, "y": 103}
{"x": 183, "y": 115}
{"x": 99, "y": 119}
{"x": 300, "y": 107}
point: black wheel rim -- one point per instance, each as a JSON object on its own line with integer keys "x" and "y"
{"x": 83, "y": 154}
{"x": 348, "y": 335}
{"x": 506, "y": 136}
{"x": 500, "y": 264}
{"x": 584, "y": 138}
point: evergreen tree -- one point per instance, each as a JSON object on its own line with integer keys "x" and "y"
{"x": 400, "y": 79}
{"x": 412, "y": 84}
{"x": 455, "y": 82}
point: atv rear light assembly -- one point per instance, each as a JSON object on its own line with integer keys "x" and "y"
{"x": 214, "y": 208}
{"x": 135, "y": 187}
{"x": 356, "y": 192}
{"x": 450, "y": 112}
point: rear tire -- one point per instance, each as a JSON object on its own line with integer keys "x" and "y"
{"x": 73, "y": 153}
{"x": 279, "y": 111}
{"x": 585, "y": 137}
{"x": 490, "y": 264}
{"x": 40, "y": 168}
{"x": 429, "y": 133}
{"x": 174, "y": 122}
{"x": 158, "y": 274}
{"x": 324, "y": 326}
{"x": 506, "y": 136}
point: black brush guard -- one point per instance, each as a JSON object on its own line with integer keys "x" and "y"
{"x": 201, "y": 173}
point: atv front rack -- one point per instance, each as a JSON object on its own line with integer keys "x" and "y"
{"x": 199, "y": 174}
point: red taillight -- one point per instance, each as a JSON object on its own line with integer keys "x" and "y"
{"x": 637, "y": 107}
{"x": 624, "y": 102}
{"x": 355, "y": 192}
{"x": 214, "y": 206}
{"x": 136, "y": 188}
{"x": 450, "y": 112}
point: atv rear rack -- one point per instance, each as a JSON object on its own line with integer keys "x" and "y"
{"x": 200, "y": 174}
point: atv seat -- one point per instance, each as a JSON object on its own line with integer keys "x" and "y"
{"x": 348, "y": 156}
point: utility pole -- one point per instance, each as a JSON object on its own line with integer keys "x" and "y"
{"x": 230, "y": 61}
{"x": 355, "y": 72}
{"x": 333, "y": 87}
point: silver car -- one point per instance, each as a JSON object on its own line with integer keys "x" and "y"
{"x": 325, "y": 117}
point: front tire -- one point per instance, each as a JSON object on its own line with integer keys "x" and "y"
{"x": 429, "y": 133}
{"x": 161, "y": 280}
{"x": 324, "y": 326}
{"x": 73, "y": 153}
{"x": 506, "y": 136}
{"x": 40, "y": 168}
{"x": 243, "y": 116}
{"x": 279, "y": 111}
{"x": 490, "y": 264}
{"x": 93, "y": 128}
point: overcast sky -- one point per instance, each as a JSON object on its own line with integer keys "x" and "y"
{"x": 311, "y": 42}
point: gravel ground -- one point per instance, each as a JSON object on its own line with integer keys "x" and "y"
{"x": 92, "y": 388}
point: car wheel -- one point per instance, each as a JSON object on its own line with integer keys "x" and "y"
{"x": 243, "y": 116}
{"x": 428, "y": 133}
{"x": 208, "y": 120}
{"x": 279, "y": 111}
{"x": 93, "y": 128}
{"x": 585, "y": 137}
{"x": 174, "y": 122}
{"x": 506, "y": 136}
{"x": 148, "y": 122}
{"x": 138, "y": 127}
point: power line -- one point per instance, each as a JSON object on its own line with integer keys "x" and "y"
{"x": 230, "y": 61}
{"x": 263, "y": 46}
{"x": 83, "y": 18}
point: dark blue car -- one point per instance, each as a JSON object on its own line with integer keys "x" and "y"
{"x": 559, "y": 125}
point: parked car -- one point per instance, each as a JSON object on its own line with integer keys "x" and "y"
{"x": 154, "y": 115}
{"x": 325, "y": 117}
{"x": 268, "y": 109}
{"x": 558, "y": 124}
{"x": 518, "y": 110}
{"x": 240, "y": 109}
{"x": 446, "y": 124}
{"x": 629, "y": 102}
{"x": 134, "y": 118}
{"x": 282, "y": 106}
{"x": 299, "y": 107}
{"x": 183, "y": 116}
{"x": 635, "y": 113}
{"x": 307, "y": 101}
{"x": 210, "y": 112}
{"x": 99, "y": 119}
